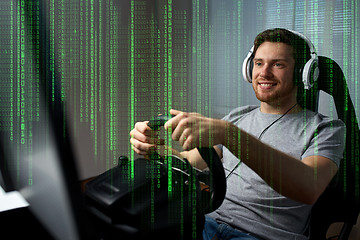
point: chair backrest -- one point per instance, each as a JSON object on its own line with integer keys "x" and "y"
{"x": 340, "y": 201}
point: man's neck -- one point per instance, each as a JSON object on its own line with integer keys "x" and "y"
{"x": 279, "y": 108}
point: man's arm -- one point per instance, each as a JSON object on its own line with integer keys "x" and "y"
{"x": 303, "y": 181}
{"x": 195, "y": 159}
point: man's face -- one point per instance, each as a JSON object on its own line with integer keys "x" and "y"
{"x": 273, "y": 71}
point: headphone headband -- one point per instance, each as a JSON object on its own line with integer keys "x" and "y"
{"x": 309, "y": 73}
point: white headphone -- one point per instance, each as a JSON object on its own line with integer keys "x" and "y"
{"x": 310, "y": 71}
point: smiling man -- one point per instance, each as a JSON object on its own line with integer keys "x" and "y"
{"x": 278, "y": 157}
{"x": 273, "y": 64}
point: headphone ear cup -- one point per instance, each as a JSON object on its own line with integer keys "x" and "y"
{"x": 311, "y": 73}
{"x": 248, "y": 66}
{"x": 315, "y": 73}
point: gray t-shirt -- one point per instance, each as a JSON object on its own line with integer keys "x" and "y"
{"x": 251, "y": 205}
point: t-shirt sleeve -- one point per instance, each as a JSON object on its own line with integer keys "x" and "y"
{"x": 235, "y": 115}
{"x": 328, "y": 140}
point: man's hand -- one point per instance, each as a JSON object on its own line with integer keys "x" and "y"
{"x": 194, "y": 130}
{"x": 143, "y": 139}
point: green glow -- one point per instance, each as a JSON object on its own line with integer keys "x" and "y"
{"x": 52, "y": 43}
{"x": 87, "y": 61}
{"x": 12, "y": 100}
{"x": 168, "y": 51}
{"x": 81, "y": 64}
{"x": 20, "y": 65}
{"x": 132, "y": 81}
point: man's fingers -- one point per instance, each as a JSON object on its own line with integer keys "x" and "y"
{"x": 178, "y": 115}
{"x": 141, "y": 146}
{"x": 139, "y": 136}
{"x": 147, "y": 139}
{"x": 138, "y": 151}
{"x": 173, "y": 122}
{"x": 143, "y": 128}
{"x": 183, "y": 137}
{"x": 175, "y": 112}
{"x": 188, "y": 144}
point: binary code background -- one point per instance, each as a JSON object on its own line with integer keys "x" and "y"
{"x": 119, "y": 62}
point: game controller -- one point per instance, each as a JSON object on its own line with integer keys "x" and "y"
{"x": 159, "y": 121}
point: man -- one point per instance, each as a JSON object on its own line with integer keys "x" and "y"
{"x": 278, "y": 158}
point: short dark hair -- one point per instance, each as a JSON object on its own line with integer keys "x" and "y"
{"x": 301, "y": 50}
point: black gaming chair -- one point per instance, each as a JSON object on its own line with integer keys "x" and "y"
{"x": 340, "y": 201}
